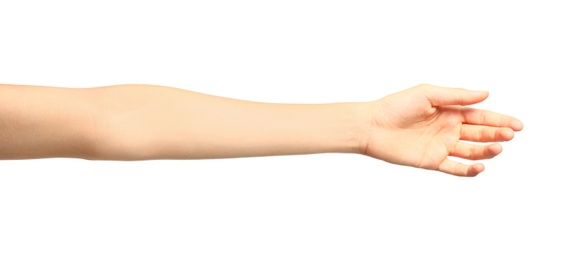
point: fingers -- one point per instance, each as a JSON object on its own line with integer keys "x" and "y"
{"x": 476, "y": 152}
{"x": 488, "y": 118}
{"x": 477, "y": 133}
{"x": 469, "y": 152}
{"x": 442, "y": 96}
{"x": 461, "y": 169}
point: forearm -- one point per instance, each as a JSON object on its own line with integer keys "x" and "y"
{"x": 152, "y": 122}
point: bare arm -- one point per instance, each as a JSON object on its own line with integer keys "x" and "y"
{"x": 41, "y": 122}
{"x": 139, "y": 122}
{"x": 419, "y": 127}
{"x": 155, "y": 122}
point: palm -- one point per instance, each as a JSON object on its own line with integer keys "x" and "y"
{"x": 409, "y": 128}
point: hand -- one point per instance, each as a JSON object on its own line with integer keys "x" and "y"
{"x": 423, "y": 126}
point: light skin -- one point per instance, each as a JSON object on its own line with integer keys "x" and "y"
{"x": 423, "y": 126}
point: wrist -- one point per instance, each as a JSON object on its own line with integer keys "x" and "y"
{"x": 359, "y": 119}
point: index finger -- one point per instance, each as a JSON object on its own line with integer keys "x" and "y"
{"x": 483, "y": 117}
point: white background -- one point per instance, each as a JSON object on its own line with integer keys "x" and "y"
{"x": 327, "y": 206}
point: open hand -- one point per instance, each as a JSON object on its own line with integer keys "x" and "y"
{"x": 423, "y": 126}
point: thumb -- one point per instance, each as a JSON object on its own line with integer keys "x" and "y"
{"x": 442, "y": 96}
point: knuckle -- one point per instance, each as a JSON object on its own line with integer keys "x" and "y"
{"x": 423, "y": 86}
